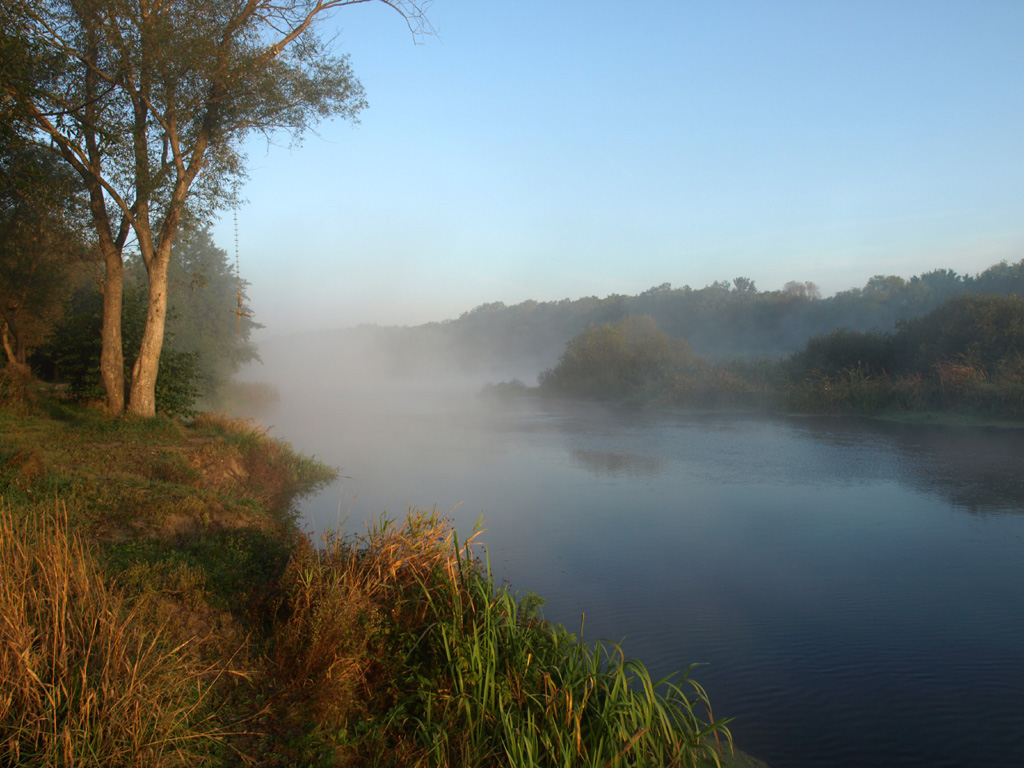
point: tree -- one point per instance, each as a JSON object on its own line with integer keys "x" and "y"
{"x": 983, "y": 331}
{"x": 41, "y": 245}
{"x": 149, "y": 102}
{"x": 76, "y": 350}
{"x": 744, "y": 285}
{"x": 798, "y": 290}
{"x": 203, "y": 290}
{"x": 616, "y": 360}
{"x": 843, "y": 350}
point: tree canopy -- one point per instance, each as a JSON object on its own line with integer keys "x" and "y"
{"x": 42, "y": 248}
{"x": 616, "y": 360}
{"x": 203, "y": 291}
{"x": 149, "y": 102}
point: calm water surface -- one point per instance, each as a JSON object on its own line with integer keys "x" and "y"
{"x": 854, "y": 588}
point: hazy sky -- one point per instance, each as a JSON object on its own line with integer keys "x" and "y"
{"x": 562, "y": 149}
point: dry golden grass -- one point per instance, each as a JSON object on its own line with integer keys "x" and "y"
{"x": 231, "y": 425}
{"x": 81, "y": 684}
{"x": 341, "y": 599}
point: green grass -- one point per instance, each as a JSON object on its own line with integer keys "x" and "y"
{"x": 505, "y": 687}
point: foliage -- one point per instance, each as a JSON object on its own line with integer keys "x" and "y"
{"x": 967, "y": 355}
{"x": 273, "y": 472}
{"x": 76, "y": 350}
{"x": 984, "y": 330}
{"x": 150, "y": 105}
{"x": 722, "y": 322}
{"x": 203, "y": 292}
{"x": 41, "y": 245}
{"x": 500, "y": 686}
{"x": 842, "y": 350}
{"x": 407, "y": 653}
{"x": 733, "y": 384}
{"x": 391, "y": 648}
{"x": 193, "y": 528}
{"x": 616, "y": 360}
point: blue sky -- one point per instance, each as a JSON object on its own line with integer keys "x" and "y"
{"x": 561, "y": 149}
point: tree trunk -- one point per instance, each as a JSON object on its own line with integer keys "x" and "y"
{"x": 6, "y": 336}
{"x": 111, "y": 354}
{"x": 18, "y": 353}
{"x": 142, "y": 401}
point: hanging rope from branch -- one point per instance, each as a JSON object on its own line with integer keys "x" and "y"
{"x": 238, "y": 313}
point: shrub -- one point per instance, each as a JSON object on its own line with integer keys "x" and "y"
{"x": 616, "y": 360}
{"x": 843, "y": 350}
{"x": 981, "y": 331}
{"x": 76, "y": 349}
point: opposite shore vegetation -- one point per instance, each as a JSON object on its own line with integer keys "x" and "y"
{"x": 963, "y": 359}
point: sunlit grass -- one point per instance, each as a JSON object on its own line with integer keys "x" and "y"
{"x": 409, "y": 653}
{"x": 82, "y": 681}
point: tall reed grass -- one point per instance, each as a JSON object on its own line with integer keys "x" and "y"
{"x": 410, "y": 653}
{"x": 81, "y": 684}
{"x": 509, "y": 688}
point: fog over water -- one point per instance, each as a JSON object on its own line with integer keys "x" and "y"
{"x": 852, "y": 586}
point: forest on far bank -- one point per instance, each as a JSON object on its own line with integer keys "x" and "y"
{"x": 727, "y": 320}
{"x": 966, "y": 356}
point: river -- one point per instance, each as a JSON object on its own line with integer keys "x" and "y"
{"x": 853, "y": 590}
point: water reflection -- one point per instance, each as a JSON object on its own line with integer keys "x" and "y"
{"x": 973, "y": 468}
{"x": 978, "y": 469}
{"x": 610, "y": 464}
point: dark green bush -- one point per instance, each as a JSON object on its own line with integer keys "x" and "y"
{"x": 983, "y": 331}
{"x": 616, "y": 360}
{"x": 76, "y": 349}
{"x": 842, "y": 350}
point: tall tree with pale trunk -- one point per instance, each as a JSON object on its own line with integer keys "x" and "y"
{"x": 149, "y": 101}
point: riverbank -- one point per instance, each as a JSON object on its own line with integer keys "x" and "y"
{"x": 163, "y": 608}
{"x": 764, "y": 406}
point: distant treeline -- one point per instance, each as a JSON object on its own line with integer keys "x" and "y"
{"x": 722, "y": 321}
{"x": 966, "y": 355}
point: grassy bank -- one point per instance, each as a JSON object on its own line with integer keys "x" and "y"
{"x": 159, "y": 606}
{"x": 954, "y": 392}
